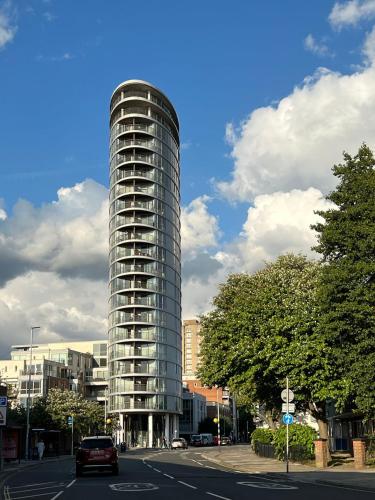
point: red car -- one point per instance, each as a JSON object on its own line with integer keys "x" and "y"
{"x": 96, "y": 453}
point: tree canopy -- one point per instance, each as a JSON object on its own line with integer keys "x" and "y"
{"x": 346, "y": 241}
{"x": 262, "y": 329}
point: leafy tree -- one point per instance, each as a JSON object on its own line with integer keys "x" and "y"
{"x": 88, "y": 415}
{"x": 346, "y": 241}
{"x": 264, "y": 328}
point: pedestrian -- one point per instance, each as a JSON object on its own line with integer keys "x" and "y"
{"x": 40, "y": 446}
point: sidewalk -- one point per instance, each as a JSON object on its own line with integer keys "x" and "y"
{"x": 242, "y": 458}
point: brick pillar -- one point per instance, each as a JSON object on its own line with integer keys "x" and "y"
{"x": 359, "y": 451}
{"x": 321, "y": 459}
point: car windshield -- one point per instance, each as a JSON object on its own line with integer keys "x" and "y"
{"x": 196, "y": 438}
{"x": 89, "y": 444}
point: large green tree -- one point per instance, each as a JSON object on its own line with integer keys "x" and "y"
{"x": 346, "y": 240}
{"x": 262, "y": 329}
{"x": 88, "y": 415}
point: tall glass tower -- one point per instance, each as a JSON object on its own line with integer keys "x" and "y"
{"x": 144, "y": 347}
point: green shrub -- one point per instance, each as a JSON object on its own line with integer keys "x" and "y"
{"x": 301, "y": 442}
{"x": 264, "y": 436}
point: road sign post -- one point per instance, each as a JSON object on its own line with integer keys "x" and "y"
{"x": 71, "y": 423}
{"x": 287, "y": 408}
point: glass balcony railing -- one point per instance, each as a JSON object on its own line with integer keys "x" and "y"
{"x": 135, "y": 334}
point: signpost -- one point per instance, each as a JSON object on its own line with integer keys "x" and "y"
{"x": 71, "y": 422}
{"x": 287, "y": 408}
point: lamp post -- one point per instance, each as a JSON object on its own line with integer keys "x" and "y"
{"x": 28, "y": 393}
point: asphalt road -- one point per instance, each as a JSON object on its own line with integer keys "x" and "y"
{"x": 162, "y": 475}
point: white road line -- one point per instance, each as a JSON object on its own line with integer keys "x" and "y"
{"x": 29, "y": 490}
{"x": 214, "y": 495}
{"x": 209, "y": 467}
{"x": 167, "y": 475}
{"x": 38, "y": 495}
{"x": 156, "y": 470}
{"x": 58, "y": 494}
{"x": 71, "y": 483}
{"x": 189, "y": 485}
{"x": 34, "y": 484}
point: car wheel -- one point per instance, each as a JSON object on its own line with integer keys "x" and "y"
{"x": 115, "y": 470}
{"x": 78, "y": 471}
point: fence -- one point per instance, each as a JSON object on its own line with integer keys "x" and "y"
{"x": 265, "y": 450}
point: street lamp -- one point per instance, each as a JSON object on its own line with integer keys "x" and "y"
{"x": 28, "y": 393}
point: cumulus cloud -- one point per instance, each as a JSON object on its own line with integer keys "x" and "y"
{"x": 199, "y": 228}
{"x": 68, "y": 236}
{"x": 315, "y": 47}
{"x": 351, "y": 12}
{"x": 64, "y": 308}
{"x": 294, "y": 144}
{"x": 8, "y": 27}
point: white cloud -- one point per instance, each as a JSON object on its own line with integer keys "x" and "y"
{"x": 279, "y": 223}
{"x": 199, "y": 228}
{"x": 351, "y": 12}
{"x": 295, "y": 144}
{"x": 3, "y": 214}
{"x": 49, "y": 17}
{"x": 66, "y": 56}
{"x": 64, "y": 308}
{"x": 68, "y": 236}
{"x": 368, "y": 49}
{"x": 318, "y": 48}
{"x": 8, "y": 28}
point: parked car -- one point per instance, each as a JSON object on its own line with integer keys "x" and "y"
{"x": 179, "y": 443}
{"x": 196, "y": 440}
{"x": 96, "y": 453}
{"x": 207, "y": 439}
{"x": 225, "y": 441}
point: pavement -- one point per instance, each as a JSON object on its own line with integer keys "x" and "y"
{"x": 242, "y": 458}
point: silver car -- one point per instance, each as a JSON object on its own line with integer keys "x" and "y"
{"x": 179, "y": 443}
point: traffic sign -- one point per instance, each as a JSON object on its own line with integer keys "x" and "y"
{"x": 284, "y": 395}
{"x": 3, "y": 416}
{"x": 70, "y": 420}
{"x": 287, "y": 418}
{"x": 288, "y": 408}
{"x": 3, "y": 401}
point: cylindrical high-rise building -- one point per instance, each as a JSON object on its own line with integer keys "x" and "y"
{"x": 144, "y": 347}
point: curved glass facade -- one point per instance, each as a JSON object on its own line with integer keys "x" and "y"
{"x": 144, "y": 345}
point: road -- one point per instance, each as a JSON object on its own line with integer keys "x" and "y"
{"x": 147, "y": 474}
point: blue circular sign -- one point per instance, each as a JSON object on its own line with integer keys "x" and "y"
{"x": 288, "y": 418}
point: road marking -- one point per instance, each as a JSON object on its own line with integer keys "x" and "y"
{"x": 33, "y": 484}
{"x": 35, "y": 489}
{"x": 268, "y": 486}
{"x": 217, "y": 496}
{"x": 133, "y": 487}
{"x": 167, "y": 475}
{"x": 209, "y": 467}
{"x": 157, "y": 470}
{"x": 189, "y": 485}
{"x": 57, "y": 496}
{"x": 71, "y": 483}
{"x": 39, "y": 495}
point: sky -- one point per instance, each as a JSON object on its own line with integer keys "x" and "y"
{"x": 269, "y": 94}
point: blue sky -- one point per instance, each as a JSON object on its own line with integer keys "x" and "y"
{"x": 268, "y": 93}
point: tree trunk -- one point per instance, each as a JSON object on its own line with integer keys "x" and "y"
{"x": 323, "y": 433}
{"x": 317, "y": 410}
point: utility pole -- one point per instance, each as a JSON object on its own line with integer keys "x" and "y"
{"x": 28, "y": 393}
{"x": 287, "y": 425}
{"x": 218, "y": 417}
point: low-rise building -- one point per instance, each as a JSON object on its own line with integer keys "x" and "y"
{"x": 194, "y": 412}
